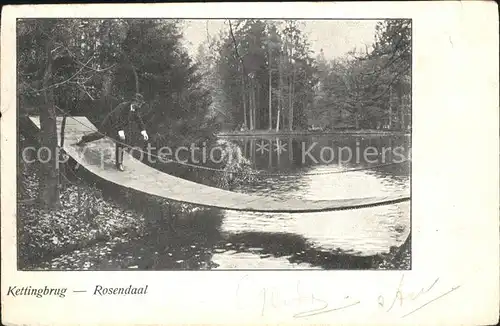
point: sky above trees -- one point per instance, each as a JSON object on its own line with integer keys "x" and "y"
{"x": 335, "y": 37}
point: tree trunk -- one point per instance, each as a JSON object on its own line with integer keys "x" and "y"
{"x": 270, "y": 93}
{"x": 250, "y": 122}
{"x": 289, "y": 103}
{"x": 134, "y": 70}
{"x": 108, "y": 75}
{"x": 62, "y": 169}
{"x": 292, "y": 95}
{"x": 402, "y": 113}
{"x": 256, "y": 113}
{"x": 106, "y": 89}
{"x": 278, "y": 153}
{"x": 252, "y": 151}
{"x": 243, "y": 90}
{"x": 270, "y": 154}
{"x": 278, "y": 120}
{"x": 280, "y": 91}
{"x": 136, "y": 77}
{"x": 254, "y": 108}
{"x": 48, "y": 195}
{"x": 390, "y": 107}
{"x": 251, "y": 105}
{"x": 243, "y": 71}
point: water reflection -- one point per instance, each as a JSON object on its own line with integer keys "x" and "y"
{"x": 216, "y": 239}
{"x": 310, "y": 173}
{"x": 301, "y": 154}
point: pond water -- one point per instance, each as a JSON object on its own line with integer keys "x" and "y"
{"x": 298, "y": 167}
{"x": 309, "y": 171}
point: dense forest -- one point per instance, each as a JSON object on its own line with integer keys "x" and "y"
{"x": 264, "y": 75}
{"x": 253, "y": 75}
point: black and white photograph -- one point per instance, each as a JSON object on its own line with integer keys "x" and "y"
{"x": 250, "y": 163}
{"x": 214, "y": 144}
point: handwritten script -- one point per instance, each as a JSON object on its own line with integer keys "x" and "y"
{"x": 302, "y": 301}
{"x": 403, "y": 297}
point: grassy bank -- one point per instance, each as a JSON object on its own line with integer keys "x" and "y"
{"x": 83, "y": 218}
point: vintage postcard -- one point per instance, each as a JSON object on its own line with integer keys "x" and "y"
{"x": 250, "y": 163}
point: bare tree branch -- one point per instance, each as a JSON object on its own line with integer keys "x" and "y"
{"x": 134, "y": 70}
{"x": 64, "y": 81}
{"x": 94, "y": 69}
{"x": 83, "y": 88}
{"x": 71, "y": 54}
{"x": 236, "y": 47}
{"x": 388, "y": 86}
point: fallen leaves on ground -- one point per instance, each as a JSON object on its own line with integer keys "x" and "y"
{"x": 84, "y": 216}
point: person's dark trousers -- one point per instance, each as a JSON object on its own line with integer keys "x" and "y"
{"x": 119, "y": 148}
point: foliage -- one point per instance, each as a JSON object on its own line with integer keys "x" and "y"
{"x": 82, "y": 218}
{"x": 259, "y": 59}
{"x": 370, "y": 89}
{"x": 110, "y": 60}
{"x": 88, "y": 66}
{"x": 237, "y": 168}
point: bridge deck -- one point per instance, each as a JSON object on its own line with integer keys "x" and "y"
{"x": 98, "y": 158}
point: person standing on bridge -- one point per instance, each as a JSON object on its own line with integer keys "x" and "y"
{"x": 115, "y": 123}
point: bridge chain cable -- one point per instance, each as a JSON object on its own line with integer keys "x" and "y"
{"x": 257, "y": 173}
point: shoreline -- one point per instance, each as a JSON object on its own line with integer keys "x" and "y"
{"x": 367, "y": 132}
